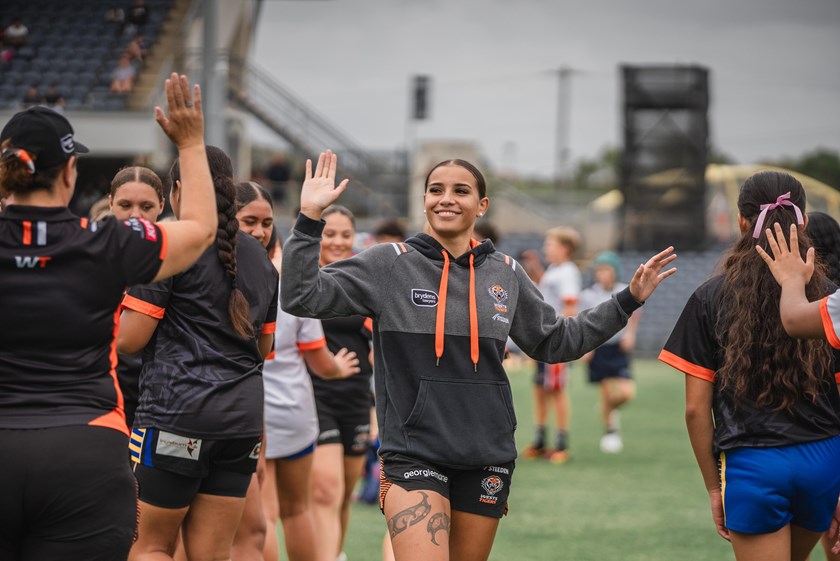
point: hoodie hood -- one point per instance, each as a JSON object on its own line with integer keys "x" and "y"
{"x": 430, "y": 248}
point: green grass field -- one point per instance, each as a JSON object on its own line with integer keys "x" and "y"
{"x": 647, "y": 503}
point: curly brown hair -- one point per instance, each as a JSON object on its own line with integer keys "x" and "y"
{"x": 762, "y": 365}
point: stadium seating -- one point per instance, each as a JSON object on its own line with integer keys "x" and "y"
{"x": 72, "y": 45}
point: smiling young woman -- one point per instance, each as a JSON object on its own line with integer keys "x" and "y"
{"x": 443, "y": 307}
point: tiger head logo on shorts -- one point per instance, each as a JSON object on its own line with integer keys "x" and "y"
{"x": 492, "y": 484}
{"x": 500, "y": 296}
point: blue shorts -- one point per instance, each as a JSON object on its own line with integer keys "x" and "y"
{"x": 765, "y": 489}
{"x": 608, "y": 361}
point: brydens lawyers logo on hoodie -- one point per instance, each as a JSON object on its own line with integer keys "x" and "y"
{"x": 424, "y": 298}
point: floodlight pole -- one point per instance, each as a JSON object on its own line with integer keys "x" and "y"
{"x": 213, "y": 86}
{"x": 564, "y": 103}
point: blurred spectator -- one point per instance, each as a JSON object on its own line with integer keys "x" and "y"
{"x": 115, "y": 15}
{"x": 484, "y": 230}
{"x": 7, "y": 53}
{"x": 32, "y": 97}
{"x": 122, "y": 78}
{"x": 389, "y": 231}
{"x": 138, "y": 14}
{"x": 532, "y": 264}
{"x": 54, "y": 99}
{"x": 279, "y": 174}
{"x": 16, "y": 34}
{"x": 135, "y": 50}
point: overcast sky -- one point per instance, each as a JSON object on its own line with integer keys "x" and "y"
{"x": 774, "y": 69}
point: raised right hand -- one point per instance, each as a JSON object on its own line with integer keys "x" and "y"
{"x": 319, "y": 190}
{"x": 184, "y": 123}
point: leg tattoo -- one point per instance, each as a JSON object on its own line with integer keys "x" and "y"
{"x": 437, "y": 523}
{"x": 410, "y": 516}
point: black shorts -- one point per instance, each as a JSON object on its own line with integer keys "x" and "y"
{"x": 66, "y": 494}
{"x": 609, "y": 361}
{"x": 172, "y": 469}
{"x": 349, "y": 427}
{"x": 481, "y": 491}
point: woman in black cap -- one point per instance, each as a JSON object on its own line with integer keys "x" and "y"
{"x": 68, "y": 492}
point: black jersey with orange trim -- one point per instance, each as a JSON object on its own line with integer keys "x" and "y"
{"x": 61, "y": 281}
{"x": 199, "y": 376}
{"x": 354, "y": 334}
{"x": 693, "y": 348}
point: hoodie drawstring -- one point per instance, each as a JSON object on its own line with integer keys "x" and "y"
{"x": 440, "y": 317}
{"x": 473, "y": 318}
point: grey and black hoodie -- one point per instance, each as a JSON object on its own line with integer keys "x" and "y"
{"x": 440, "y": 327}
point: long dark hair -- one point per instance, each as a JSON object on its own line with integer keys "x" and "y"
{"x": 248, "y": 192}
{"x": 137, "y": 174}
{"x": 761, "y": 363}
{"x": 221, "y": 169}
{"x": 824, "y": 232}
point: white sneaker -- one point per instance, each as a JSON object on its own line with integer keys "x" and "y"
{"x": 611, "y": 443}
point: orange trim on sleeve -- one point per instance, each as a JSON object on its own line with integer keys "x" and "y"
{"x": 271, "y": 355}
{"x": 27, "y": 232}
{"x": 269, "y": 328}
{"x": 164, "y": 242}
{"x": 828, "y": 325}
{"x": 143, "y": 307}
{"x": 115, "y": 418}
{"x": 837, "y": 377}
{"x": 368, "y": 324}
{"x": 312, "y": 345}
{"x": 83, "y": 222}
{"x": 688, "y": 367}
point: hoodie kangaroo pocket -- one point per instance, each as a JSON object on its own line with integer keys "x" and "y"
{"x": 462, "y": 422}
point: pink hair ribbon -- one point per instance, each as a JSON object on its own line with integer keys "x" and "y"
{"x": 21, "y": 155}
{"x": 782, "y": 200}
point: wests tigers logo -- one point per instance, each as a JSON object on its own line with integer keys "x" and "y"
{"x": 492, "y": 484}
{"x": 500, "y": 297}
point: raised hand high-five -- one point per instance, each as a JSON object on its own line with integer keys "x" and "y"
{"x": 800, "y": 318}
{"x": 184, "y": 123}
{"x": 319, "y": 190}
{"x": 786, "y": 264}
{"x": 648, "y": 276}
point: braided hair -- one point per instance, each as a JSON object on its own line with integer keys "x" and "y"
{"x": 221, "y": 169}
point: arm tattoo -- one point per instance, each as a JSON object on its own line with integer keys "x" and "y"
{"x": 410, "y": 516}
{"x": 437, "y": 523}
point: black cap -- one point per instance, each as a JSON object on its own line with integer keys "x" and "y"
{"x": 43, "y": 133}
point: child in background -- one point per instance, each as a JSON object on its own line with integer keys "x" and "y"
{"x": 609, "y": 364}
{"x": 560, "y": 286}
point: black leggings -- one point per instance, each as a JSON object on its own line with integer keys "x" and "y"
{"x": 66, "y": 494}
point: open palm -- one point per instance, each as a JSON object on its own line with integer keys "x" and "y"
{"x": 649, "y": 275}
{"x": 319, "y": 190}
